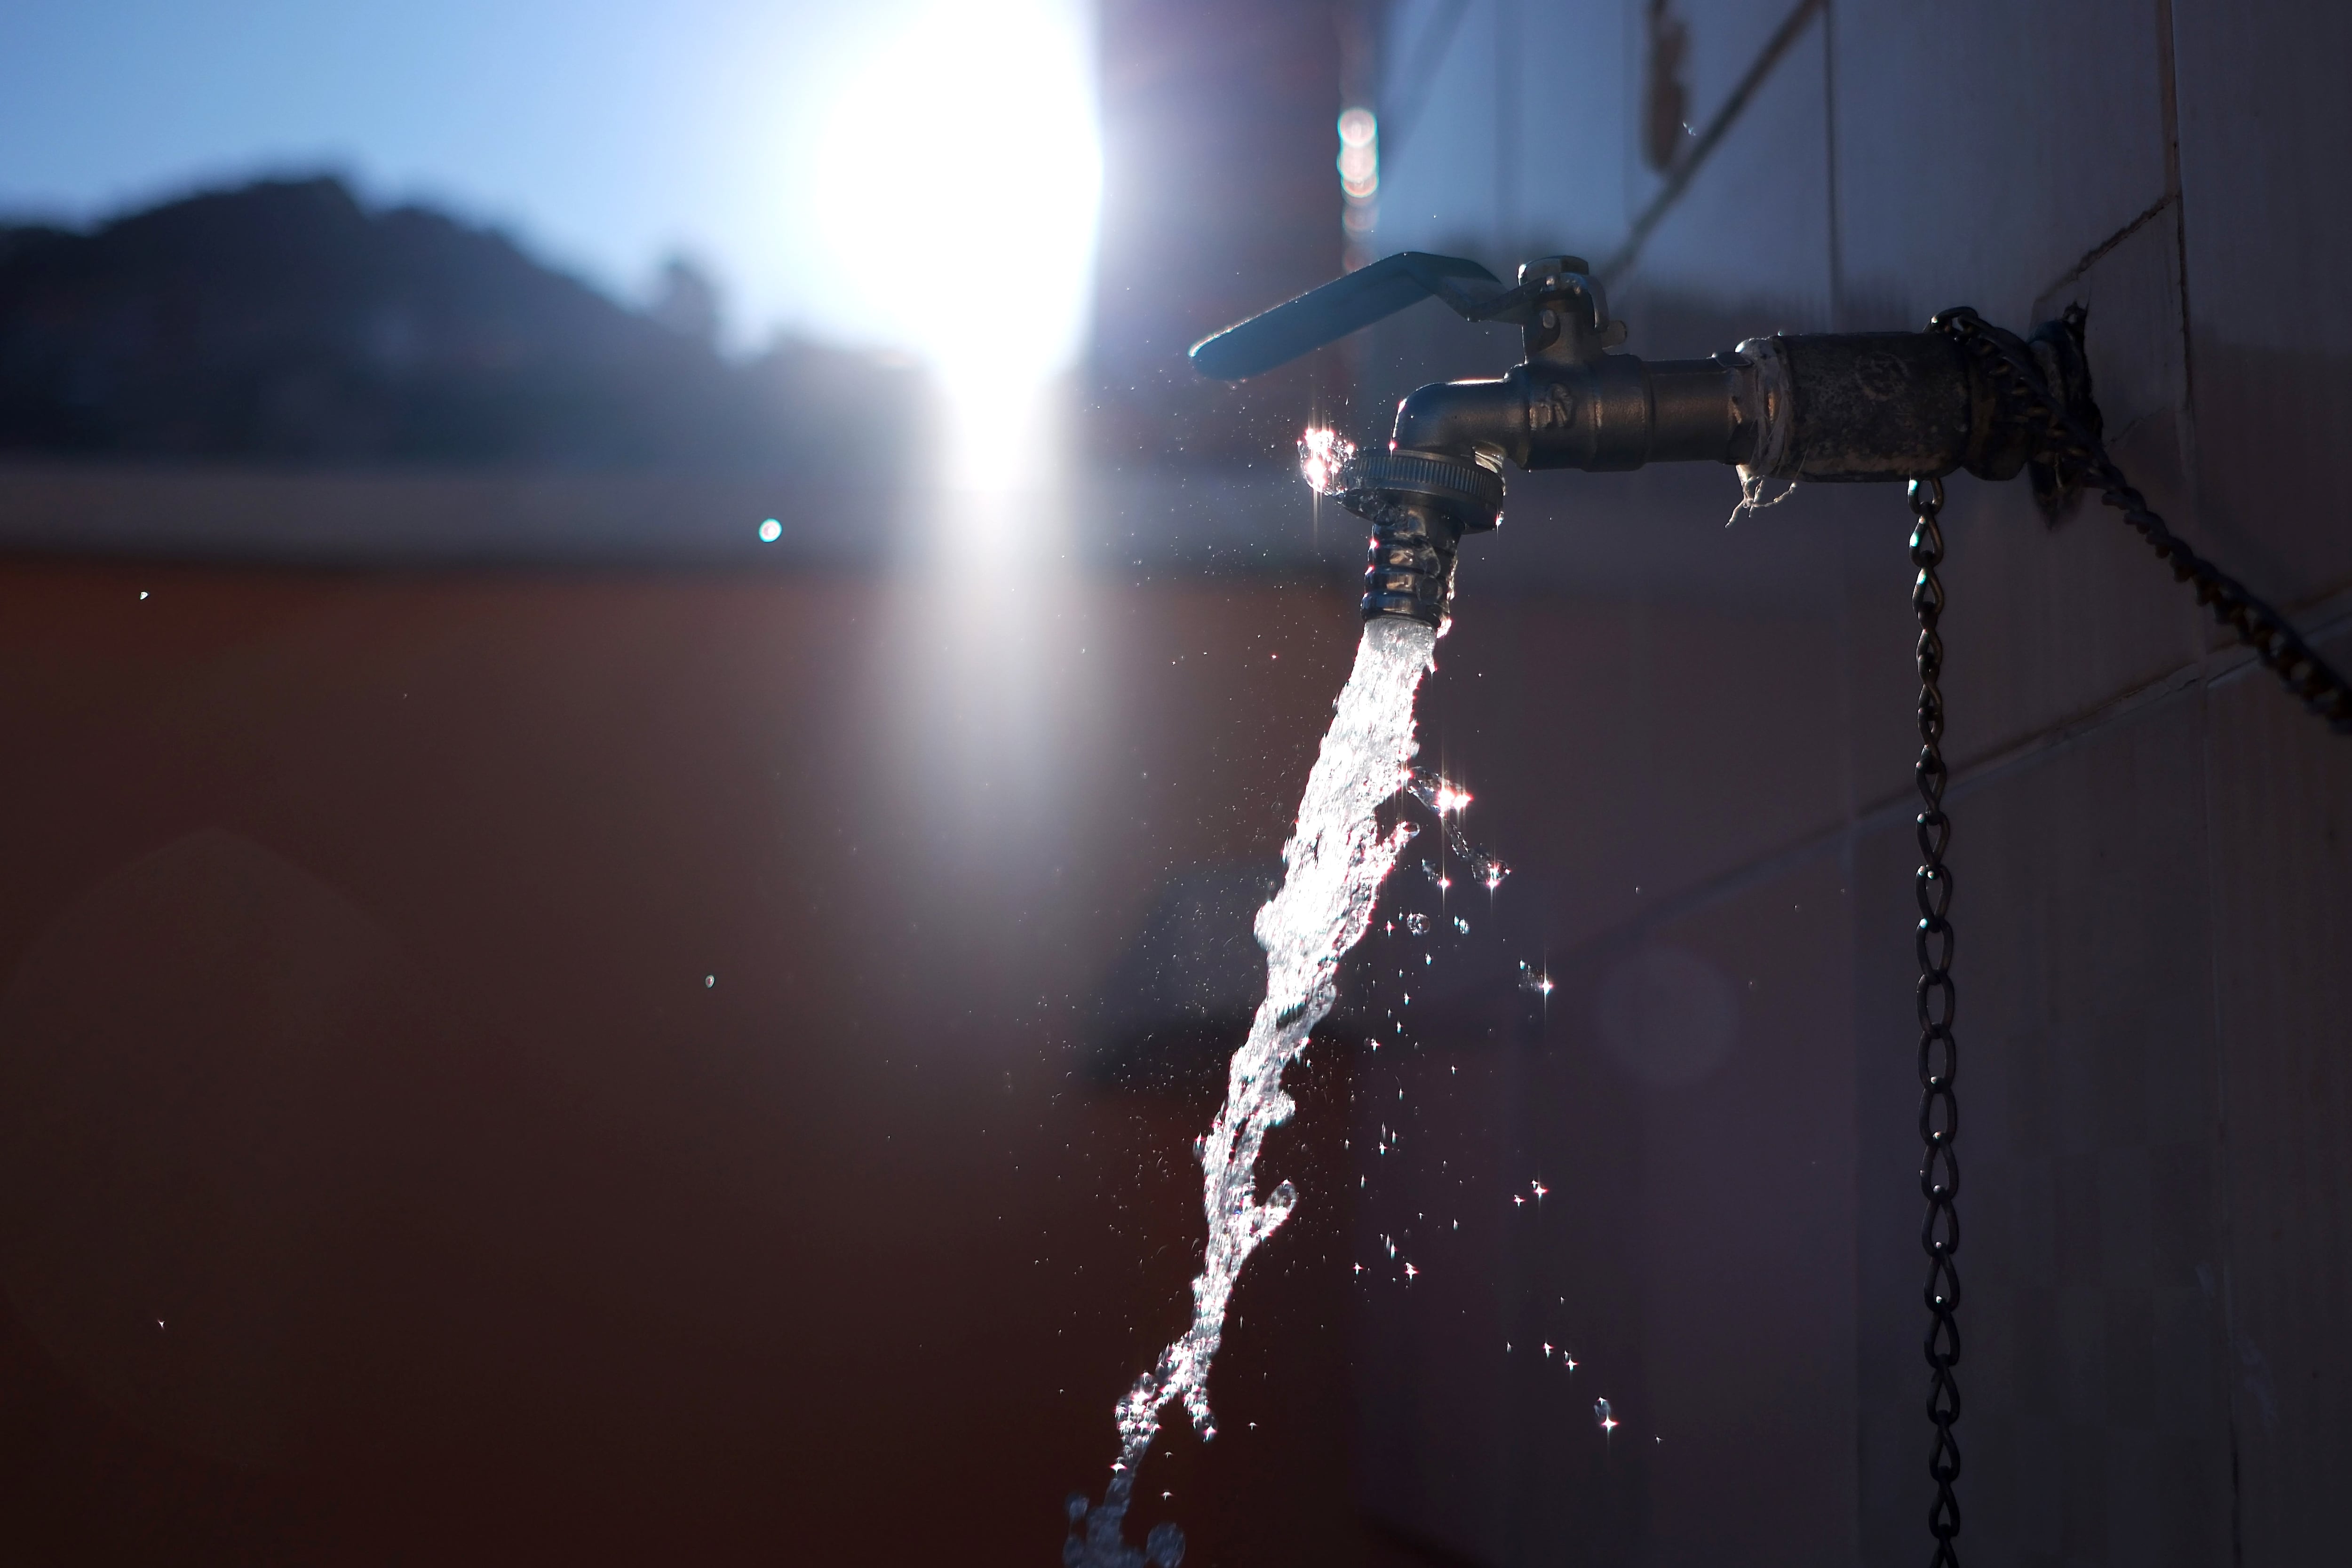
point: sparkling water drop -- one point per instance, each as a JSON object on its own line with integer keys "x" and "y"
{"x": 1325, "y": 457}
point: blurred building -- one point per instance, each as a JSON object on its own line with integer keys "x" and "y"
{"x": 1219, "y": 199}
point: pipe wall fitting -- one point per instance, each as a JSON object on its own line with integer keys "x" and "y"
{"x": 1832, "y": 406}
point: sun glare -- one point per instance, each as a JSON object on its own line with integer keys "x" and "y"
{"x": 958, "y": 181}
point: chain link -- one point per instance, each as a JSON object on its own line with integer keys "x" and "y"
{"x": 1939, "y": 1113}
{"x": 2080, "y": 459}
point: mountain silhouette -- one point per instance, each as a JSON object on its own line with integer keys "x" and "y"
{"x": 286, "y": 323}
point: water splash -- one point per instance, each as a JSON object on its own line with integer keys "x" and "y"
{"x": 1325, "y": 460}
{"x": 1445, "y": 801}
{"x": 1336, "y": 860}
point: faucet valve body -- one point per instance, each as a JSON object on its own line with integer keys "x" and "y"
{"x": 1832, "y": 406}
{"x": 1820, "y": 406}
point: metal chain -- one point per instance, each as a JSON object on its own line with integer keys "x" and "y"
{"x": 1939, "y": 1112}
{"x": 2080, "y": 457}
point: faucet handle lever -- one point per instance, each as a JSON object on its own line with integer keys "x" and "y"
{"x": 1345, "y": 304}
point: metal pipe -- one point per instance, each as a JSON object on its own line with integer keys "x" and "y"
{"x": 1838, "y": 406}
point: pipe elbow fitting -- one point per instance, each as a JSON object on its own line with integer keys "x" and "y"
{"x": 1611, "y": 411}
{"x": 1465, "y": 419}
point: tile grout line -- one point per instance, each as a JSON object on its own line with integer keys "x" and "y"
{"x": 1678, "y": 180}
{"x": 1830, "y": 157}
{"x": 2099, "y": 252}
{"x": 2333, "y": 615}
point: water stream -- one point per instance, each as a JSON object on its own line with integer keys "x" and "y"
{"x": 1335, "y": 862}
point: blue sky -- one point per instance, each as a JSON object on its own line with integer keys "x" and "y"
{"x": 605, "y": 134}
